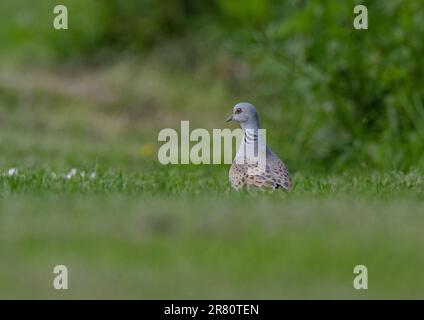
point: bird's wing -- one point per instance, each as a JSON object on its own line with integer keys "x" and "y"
{"x": 279, "y": 172}
{"x": 258, "y": 177}
{"x": 237, "y": 175}
{"x": 274, "y": 176}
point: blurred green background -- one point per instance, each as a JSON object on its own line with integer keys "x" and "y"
{"x": 344, "y": 109}
{"x": 339, "y": 95}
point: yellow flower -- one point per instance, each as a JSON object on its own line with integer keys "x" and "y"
{"x": 146, "y": 150}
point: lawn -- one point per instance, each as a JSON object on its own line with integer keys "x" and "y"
{"x": 185, "y": 234}
{"x": 80, "y": 186}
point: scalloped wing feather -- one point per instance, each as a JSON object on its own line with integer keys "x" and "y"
{"x": 249, "y": 174}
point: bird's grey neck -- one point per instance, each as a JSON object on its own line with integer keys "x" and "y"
{"x": 250, "y": 135}
{"x": 253, "y": 140}
{"x": 251, "y": 124}
{"x": 250, "y": 131}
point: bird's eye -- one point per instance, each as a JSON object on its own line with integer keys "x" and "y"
{"x": 238, "y": 110}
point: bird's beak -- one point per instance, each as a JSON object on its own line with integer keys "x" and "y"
{"x": 229, "y": 118}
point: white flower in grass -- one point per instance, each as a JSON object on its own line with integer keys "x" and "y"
{"x": 71, "y": 173}
{"x": 82, "y": 174}
{"x": 12, "y": 171}
{"x": 92, "y": 175}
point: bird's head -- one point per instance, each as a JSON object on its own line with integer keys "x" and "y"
{"x": 245, "y": 114}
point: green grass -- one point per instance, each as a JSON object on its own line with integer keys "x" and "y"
{"x": 137, "y": 229}
{"x": 185, "y": 234}
{"x": 174, "y": 181}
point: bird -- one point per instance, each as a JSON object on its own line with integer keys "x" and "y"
{"x": 246, "y": 169}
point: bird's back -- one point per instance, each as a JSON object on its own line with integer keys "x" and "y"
{"x": 248, "y": 173}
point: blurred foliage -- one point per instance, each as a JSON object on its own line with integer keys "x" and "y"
{"x": 79, "y": 115}
{"x": 358, "y": 95}
{"x": 332, "y": 95}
